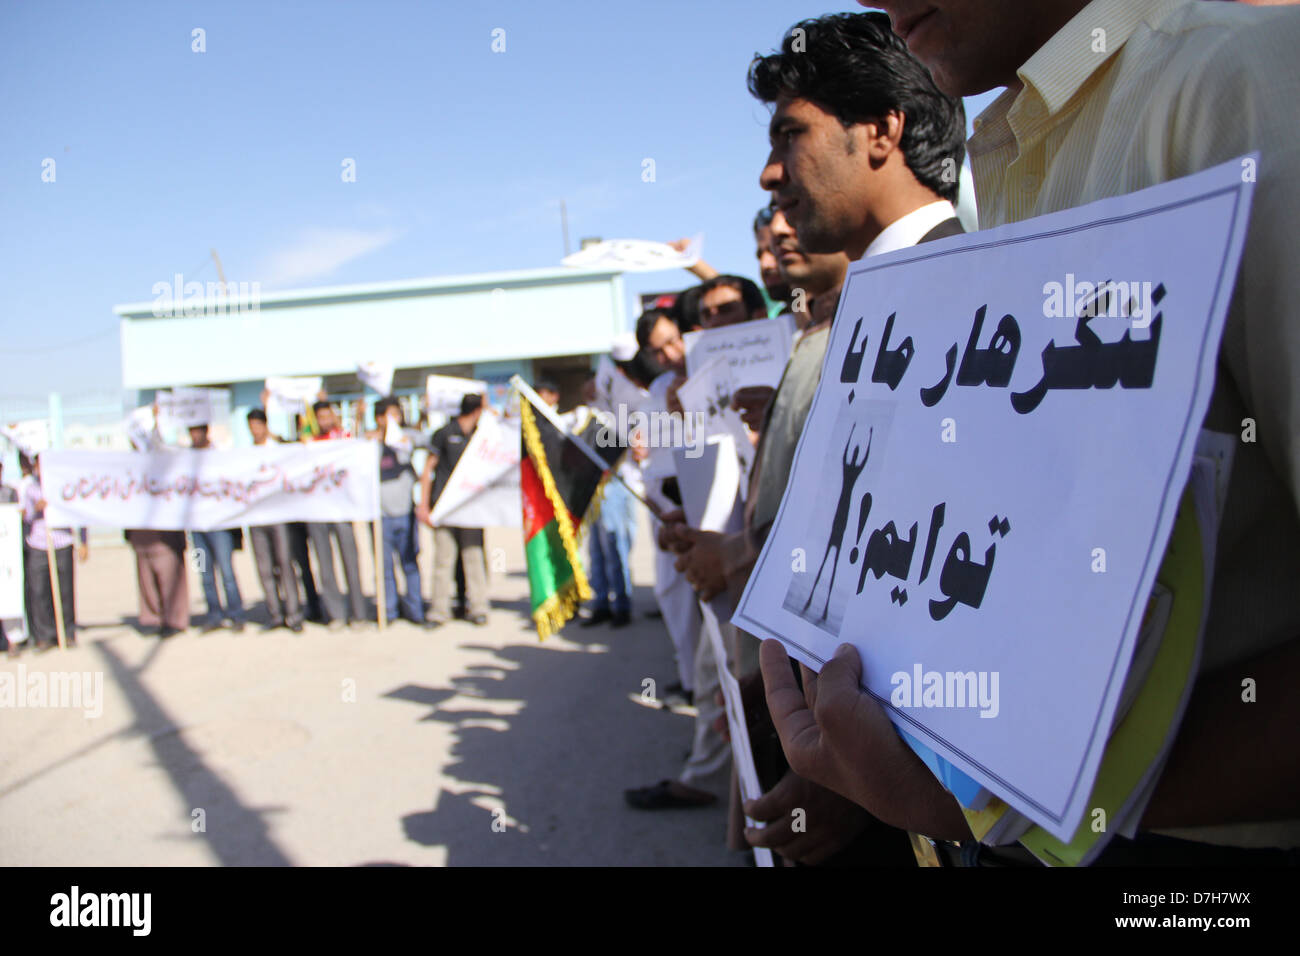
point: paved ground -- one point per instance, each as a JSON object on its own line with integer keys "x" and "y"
{"x": 352, "y": 747}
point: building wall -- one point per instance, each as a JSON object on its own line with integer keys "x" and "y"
{"x": 488, "y": 320}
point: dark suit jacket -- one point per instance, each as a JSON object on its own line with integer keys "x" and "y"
{"x": 949, "y": 227}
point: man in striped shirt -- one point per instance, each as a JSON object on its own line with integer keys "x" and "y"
{"x": 1103, "y": 99}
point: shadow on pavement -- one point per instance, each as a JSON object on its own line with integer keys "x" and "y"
{"x": 545, "y": 740}
{"x": 236, "y": 834}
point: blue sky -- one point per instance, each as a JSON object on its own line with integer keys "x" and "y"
{"x": 462, "y": 154}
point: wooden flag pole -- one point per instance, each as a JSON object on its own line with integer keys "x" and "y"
{"x": 377, "y": 533}
{"x": 55, "y": 591}
{"x": 381, "y": 599}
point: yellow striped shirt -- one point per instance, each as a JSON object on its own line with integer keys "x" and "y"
{"x": 1131, "y": 93}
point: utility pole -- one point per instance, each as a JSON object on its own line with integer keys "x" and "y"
{"x": 221, "y": 274}
{"x": 564, "y": 225}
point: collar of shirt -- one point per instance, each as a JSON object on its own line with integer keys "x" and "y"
{"x": 1059, "y": 69}
{"x": 908, "y": 230}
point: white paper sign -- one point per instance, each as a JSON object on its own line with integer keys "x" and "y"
{"x": 291, "y": 396}
{"x": 709, "y": 484}
{"x": 141, "y": 429}
{"x": 976, "y": 446}
{"x": 483, "y": 489}
{"x": 30, "y": 437}
{"x": 614, "y": 389}
{"x": 446, "y": 391}
{"x": 181, "y": 408}
{"x": 635, "y": 255}
{"x": 706, "y": 398}
{"x": 11, "y": 561}
{"x": 741, "y": 750}
{"x": 757, "y": 350}
{"x": 377, "y": 375}
{"x": 185, "y": 489}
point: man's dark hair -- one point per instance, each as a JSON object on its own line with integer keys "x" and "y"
{"x": 320, "y": 406}
{"x": 384, "y": 404}
{"x": 686, "y": 309}
{"x": 469, "y": 404}
{"x": 646, "y": 323}
{"x": 750, "y": 294}
{"x": 641, "y": 368}
{"x": 546, "y": 385}
{"x": 855, "y": 67}
{"x": 257, "y": 415}
{"x": 764, "y": 217}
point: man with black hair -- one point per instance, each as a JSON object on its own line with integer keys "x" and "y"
{"x": 216, "y": 553}
{"x": 660, "y": 337}
{"x": 863, "y": 146}
{"x": 272, "y": 552}
{"x": 866, "y": 151}
{"x": 728, "y": 299}
{"x": 806, "y": 274}
{"x": 548, "y": 392}
{"x": 446, "y": 447}
{"x": 320, "y": 533}
{"x": 397, "y": 508}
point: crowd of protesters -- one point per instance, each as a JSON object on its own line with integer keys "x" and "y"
{"x": 867, "y": 134}
{"x": 295, "y": 588}
{"x": 867, "y": 128}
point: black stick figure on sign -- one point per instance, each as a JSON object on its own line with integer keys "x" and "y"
{"x": 852, "y": 469}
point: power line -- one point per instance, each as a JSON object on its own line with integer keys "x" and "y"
{"x": 98, "y": 335}
{"x": 64, "y": 345}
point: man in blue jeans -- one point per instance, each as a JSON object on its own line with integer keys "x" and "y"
{"x": 215, "y": 549}
{"x": 397, "y": 508}
{"x": 611, "y": 543}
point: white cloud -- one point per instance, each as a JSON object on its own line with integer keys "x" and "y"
{"x": 318, "y": 252}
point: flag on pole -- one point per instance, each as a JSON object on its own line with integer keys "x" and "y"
{"x": 560, "y": 486}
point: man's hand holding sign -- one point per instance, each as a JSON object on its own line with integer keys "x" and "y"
{"x": 831, "y": 730}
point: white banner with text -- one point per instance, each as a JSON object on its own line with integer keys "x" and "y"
{"x": 201, "y": 490}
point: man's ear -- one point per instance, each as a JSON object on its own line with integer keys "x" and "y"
{"x": 884, "y": 134}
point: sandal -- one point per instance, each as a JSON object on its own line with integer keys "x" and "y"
{"x": 661, "y": 797}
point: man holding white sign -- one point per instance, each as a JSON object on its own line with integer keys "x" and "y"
{"x": 859, "y": 187}
{"x": 1087, "y": 127}
{"x": 216, "y": 549}
{"x": 450, "y": 543}
{"x": 321, "y": 533}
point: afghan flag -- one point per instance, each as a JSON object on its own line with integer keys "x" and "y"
{"x": 561, "y": 488}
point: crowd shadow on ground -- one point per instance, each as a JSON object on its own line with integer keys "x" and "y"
{"x": 545, "y": 741}
{"x": 235, "y": 833}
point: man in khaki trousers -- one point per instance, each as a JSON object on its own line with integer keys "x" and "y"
{"x": 448, "y": 443}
